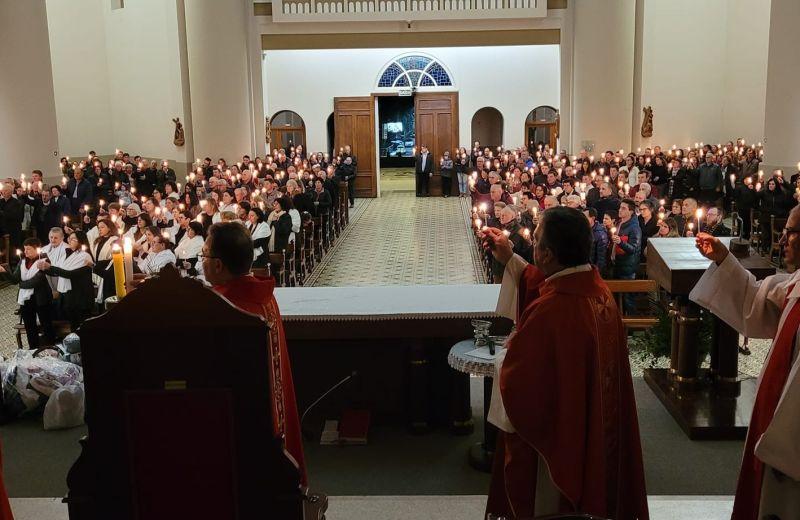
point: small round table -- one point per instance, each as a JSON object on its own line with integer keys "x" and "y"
{"x": 481, "y": 454}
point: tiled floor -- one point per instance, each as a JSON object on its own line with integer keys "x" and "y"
{"x": 400, "y": 239}
{"x": 426, "y": 507}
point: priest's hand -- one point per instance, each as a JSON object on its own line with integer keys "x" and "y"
{"x": 711, "y": 247}
{"x": 499, "y": 244}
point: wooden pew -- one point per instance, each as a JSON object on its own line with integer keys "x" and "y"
{"x": 621, "y": 287}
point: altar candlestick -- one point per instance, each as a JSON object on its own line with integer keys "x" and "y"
{"x": 119, "y": 271}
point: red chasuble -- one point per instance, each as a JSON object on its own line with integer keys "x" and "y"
{"x": 567, "y": 390}
{"x": 255, "y": 294}
{"x": 5, "y": 508}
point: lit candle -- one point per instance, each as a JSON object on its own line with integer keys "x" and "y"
{"x": 613, "y": 230}
{"x": 127, "y": 249}
{"x": 119, "y": 270}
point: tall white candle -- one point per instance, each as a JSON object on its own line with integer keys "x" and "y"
{"x": 127, "y": 251}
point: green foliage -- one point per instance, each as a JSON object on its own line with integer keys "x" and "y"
{"x": 656, "y": 342}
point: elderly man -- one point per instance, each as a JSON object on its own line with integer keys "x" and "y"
{"x": 56, "y": 251}
{"x": 550, "y": 202}
{"x": 769, "y": 479}
{"x": 562, "y": 387}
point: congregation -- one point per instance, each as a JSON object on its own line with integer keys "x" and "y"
{"x": 629, "y": 198}
{"x": 61, "y": 237}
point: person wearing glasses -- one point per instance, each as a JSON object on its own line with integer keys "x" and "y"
{"x": 713, "y": 224}
{"x": 227, "y": 258}
{"x": 769, "y": 479}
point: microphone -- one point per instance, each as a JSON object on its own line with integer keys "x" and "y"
{"x": 306, "y": 435}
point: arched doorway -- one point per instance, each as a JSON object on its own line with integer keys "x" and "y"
{"x": 288, "y": 129}
{"x": 487, "y": 127}
{"x": 541, "y": 127}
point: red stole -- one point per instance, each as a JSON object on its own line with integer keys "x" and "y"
{"x": 748, "y": 489}
{"x": 568, "y": 391}
{"x": 254, "y": 294}
{"x": 5, "y": 508}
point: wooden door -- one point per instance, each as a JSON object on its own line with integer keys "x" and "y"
{"x": 354, "y": 124}
{"x": 437, "y": 128}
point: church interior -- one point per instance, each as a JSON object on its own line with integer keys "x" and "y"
{"x": 365, "y": 148}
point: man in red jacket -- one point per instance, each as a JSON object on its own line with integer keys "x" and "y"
{"x": 227, "y": 259}
{"x": 563, "y": 400}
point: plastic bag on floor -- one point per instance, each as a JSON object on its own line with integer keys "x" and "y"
{"x": 65, "y": 408}
{"x": 29, "y": 381}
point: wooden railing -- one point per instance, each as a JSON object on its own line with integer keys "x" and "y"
{"x": 404, "y": 10}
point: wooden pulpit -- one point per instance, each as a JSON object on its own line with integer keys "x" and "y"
{"x": 707, "y": 404}
{"x": 179, "y": 413}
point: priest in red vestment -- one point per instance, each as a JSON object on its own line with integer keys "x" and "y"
{"x": 563, "y": 398}
{"x": 769, "y": 479}
{"x": 227, "y": 259}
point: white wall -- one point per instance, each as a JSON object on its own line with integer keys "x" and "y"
{"x": 28, "y": 131}
{"x": 217, "y": 32}
{"x": 533, "y": 80}
{"x": 782, "y": 123}
{"x": 602, "y": 73}
{"x": 705, "y": 74}
{"x": 746, "y": 69}
{"x": 80, "y": 76}
{"x": 144, "y": 71}
{"x": 683, "y": 63}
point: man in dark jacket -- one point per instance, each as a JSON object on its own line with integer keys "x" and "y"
{"x": 145, "y": 180}
{"x": 346, "y": 171}
{"x": 599, "y": 249}
{"x": 79, "y": 191}
{"x": 424, "y": 170}
{"x": 606, "y": 202}
{"x": 746, "y": 199}
{"x": 713, "y": 224}
{"x": 709, "y": 181}
{"x": 627, "y": 243}
{"x": 11, "y": 215}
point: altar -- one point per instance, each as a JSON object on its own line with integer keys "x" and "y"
{"x": 713, "y": 403}
{"x": 396, "y": 339}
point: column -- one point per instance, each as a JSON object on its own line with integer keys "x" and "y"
{"x": 782, "y": 117}
{"x": 28, "y": 130}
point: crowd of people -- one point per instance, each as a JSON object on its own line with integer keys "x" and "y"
{"x": 62, "y": 236}
{"x": 627, "y": 197}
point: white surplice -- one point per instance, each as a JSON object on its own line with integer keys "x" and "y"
{"x": 56, "y": 255}
{"x": 754, "y": 309}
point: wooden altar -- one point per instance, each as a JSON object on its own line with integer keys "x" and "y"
{"x": 179, "y": 413}
{"x": 707, "y": 404}
{"x": 396, "y": 338}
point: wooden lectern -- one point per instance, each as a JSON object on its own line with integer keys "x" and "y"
{"x": 179, "y": 413}
{"x": 707, "y": 404}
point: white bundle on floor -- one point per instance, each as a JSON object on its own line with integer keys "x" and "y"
{"x": 65, "y": 408}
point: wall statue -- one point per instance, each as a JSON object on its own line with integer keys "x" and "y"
{"x": 179, "y": 139}
{"x": 268, "y": 130}
{"x": 647, "y": 122}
